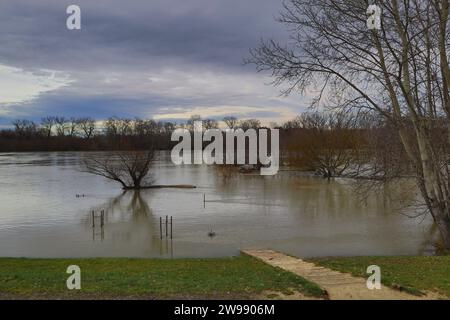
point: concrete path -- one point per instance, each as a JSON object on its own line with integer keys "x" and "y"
{"x": 339, "y": 286}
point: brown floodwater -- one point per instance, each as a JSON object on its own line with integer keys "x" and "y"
{"x": 40, "y": 215}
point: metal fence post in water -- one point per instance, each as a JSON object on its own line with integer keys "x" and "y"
{"x": 166, "y": 223}
{"x": 167, "y": 226}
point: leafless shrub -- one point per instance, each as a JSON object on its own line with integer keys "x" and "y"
{"x": 130, "y": 168}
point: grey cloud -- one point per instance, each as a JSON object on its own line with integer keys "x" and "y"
{"x": 194, "y": 47}
{"x": 134, "y": 32}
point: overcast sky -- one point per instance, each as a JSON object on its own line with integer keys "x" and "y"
{"x": 161, "y": 59}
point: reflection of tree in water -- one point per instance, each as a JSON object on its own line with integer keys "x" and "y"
{"x": 430, "y": 243}
{"x": 130, "y": 205}
{"x": 132, "y": 221}
{"x": 131, "y": 225}
{"x": 225, "y": 173}
{"x": 139, "y": 207}
{"x": 433, "y": 244}
{"x": 128, "y": 218}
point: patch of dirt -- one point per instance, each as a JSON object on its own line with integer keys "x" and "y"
{"x": 275, "y": 295}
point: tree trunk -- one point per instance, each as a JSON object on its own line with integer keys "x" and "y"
{"x": 443, "y": 223}
{"x": 432, "y": 190}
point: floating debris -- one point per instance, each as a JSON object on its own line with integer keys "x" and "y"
{"x": 211, "y": 234}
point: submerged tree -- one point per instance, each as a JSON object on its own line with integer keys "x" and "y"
{"x": 328, "y": 143}
{"x": 401, "y": 72}
{"x": 130, "y": 168}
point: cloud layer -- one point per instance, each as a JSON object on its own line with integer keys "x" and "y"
{"x": 148, "y": 58}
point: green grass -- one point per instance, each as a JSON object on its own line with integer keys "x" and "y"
{"x": 239, "y": 277}
{"x": 412, "y": 274}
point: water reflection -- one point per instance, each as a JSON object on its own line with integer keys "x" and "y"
{"x": 128, "y": 218}
{"x": 40, "y": 215}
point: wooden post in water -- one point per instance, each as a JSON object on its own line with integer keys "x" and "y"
{"x": 204, "y": 200}
{"x": 93, "y": 219}
{"x": 160, "y": 227}
{"x": 171, "y": 227}
{"x": 102, "y": 218}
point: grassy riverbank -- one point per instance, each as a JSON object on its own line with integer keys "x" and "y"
{"x": 412, "y": 274}
{"x": 231, "y": 278}
{"x": 241, "y": 277}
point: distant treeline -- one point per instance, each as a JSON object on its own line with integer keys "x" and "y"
{"x": 84, "y": 134}
{"x": 55, "y": 133}
{"x": 329, "y": 143}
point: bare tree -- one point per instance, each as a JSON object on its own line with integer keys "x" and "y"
{"x": 210, "y": 124}
{"x": 87, "y": 126}
{"x": 47, "y": 124}
{"x": 125, "y": 126}
{"x": 140, "y": 127}
{"x": 61, "y": 126}
{"x": 231, "y": 122}
{"x": 250, "y": 124}
{"x": 169, "y": 127}
{"x": 293, "y": 124}
{"x": 328, "y": 143}
{"x": 111, "y": 127}
{"x": 72, "y": 126}
{"x": 24, "y": 127}
{"x": 401, "y": 72}
{"x": 191, "y": 121}
{"x": 129, "y": 168}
